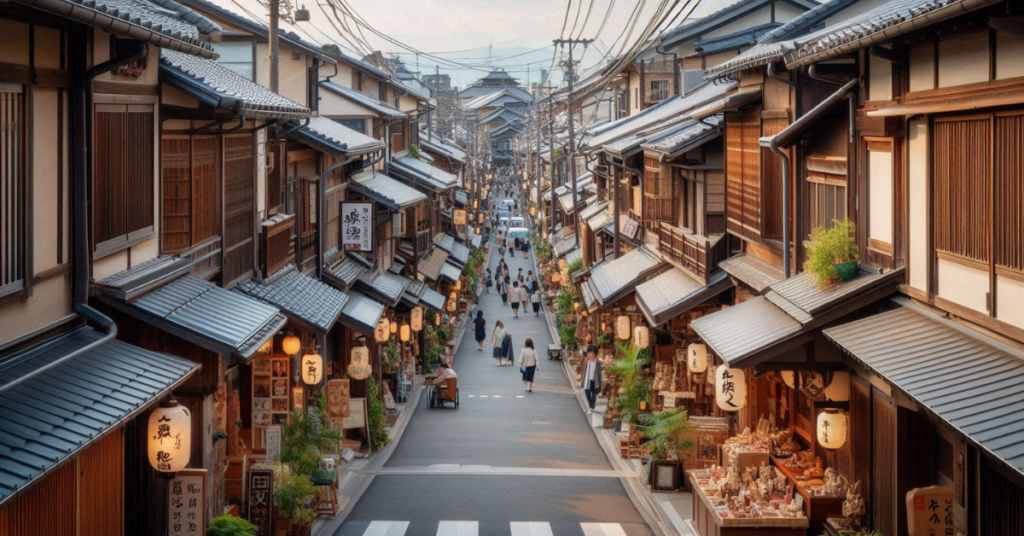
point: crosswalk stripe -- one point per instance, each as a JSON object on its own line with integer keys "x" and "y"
{"x": 459, "y": 528}
{"x": 531, "y": 528}
{"x": 496, "y": 396}
{"x": 602, "y": 529}
{"x": 387, "y": 528}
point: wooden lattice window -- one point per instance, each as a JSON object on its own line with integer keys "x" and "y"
{"x": 239, "y": 207}
{"x": 191, "y": 191}
{"x": 13, "y": 190}
{"x": 1009, "y": 186}
{"x": 743, "y": 173}
{"x": 963, "y": 182}
{"x": 123, "y": 176}
{"x": 826, "y": 181}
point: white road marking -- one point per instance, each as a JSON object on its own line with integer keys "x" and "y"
{"x": 520, "y": 396}
{"x": 471, "y": 396}
{"x": 387, "y": 528}
{"x": 602, "y": 529}
{"x": 496, "y": 396}
{"x": 483, "y": 396}
{"x": 459, "y": 528}
{"x": 531, "y": 528}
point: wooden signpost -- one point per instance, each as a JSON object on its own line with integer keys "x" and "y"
{"x": 186, "y": 503}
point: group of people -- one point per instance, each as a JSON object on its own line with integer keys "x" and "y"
{"x": 521, "y": 291}
{"x": 518, "y": 244}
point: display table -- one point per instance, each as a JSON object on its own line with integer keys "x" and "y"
{"x": 709, "y": 521}
{"x": 744, "y": 455}
{"x": 817, "y": 507}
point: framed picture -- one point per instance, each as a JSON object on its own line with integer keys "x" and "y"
{"x": 279, "y": 405}
{"x": 261, "y": 367}
{"x": 665, "y": 476}
{"x": 280, "y": 388}
{"x": 260, "y": 387}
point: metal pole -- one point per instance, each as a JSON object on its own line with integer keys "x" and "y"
{"x": 551, "y": 157}
{"x": 572, "y": 148}
{"x": 275, "y": 14}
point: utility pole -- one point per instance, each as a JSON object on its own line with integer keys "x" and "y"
{"x": 571, "y": 73}
{"x": 551, "y": 157}
{"x": 275, "y": 15}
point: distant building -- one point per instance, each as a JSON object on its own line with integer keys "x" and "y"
{"x": 437, "y": 82}
{"x": 495, "y": 81}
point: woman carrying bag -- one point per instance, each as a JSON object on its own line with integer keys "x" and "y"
{"x": 528, "y": 364}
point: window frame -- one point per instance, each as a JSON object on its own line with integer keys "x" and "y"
{"x": 881, "y": 145}
{"x": 18, "y": 288}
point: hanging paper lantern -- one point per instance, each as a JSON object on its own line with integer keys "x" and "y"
{"x": 458, "y": 284}
{"x": 561, "y": 263}
{"x": 697, "y": 358}
{"x": 789, "y": 377}
{"x": 359, "y": 367}
{"x": 622, "y": 327}
{"x": 642, "y": 336}
{"x": 839, "y": 389}
{"x": 416, "y": 319}
{"x": 291, "y": 345}
{"x": 481, "y": 218}
{"x": 584, "y": 313}
{"x": 575, "y": 307}
{"x": 832, "y": 428}
{"x": 452, "y": 304}
{"x": 382, "y": 331}
{"x": 405, "y": 333}
{"x": 170, "y": 437}
{"x": 393, "y": 326}
{"x": 730, "y": 388}
{"x": 533, "y": 211}
{"x": 312, "y": 368}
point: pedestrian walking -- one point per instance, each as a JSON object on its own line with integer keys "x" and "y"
{"x": 535, "y": 298}
{"x": 531, "y": 282}
{"x": 515, "y": 243}
{"x": 526, "y": 249}
{"x": 516, "y": 298}
{"x": 488, "y": 281}
{"x": 592, "y": 377}
{"x": 511, "y": 252}
{"x": 501, "y": 250}
{"x": 524, "y": 296}
{"x": 506, "y": 349}
{"x": 528, "y": 364}
{"x": 497, "y": 340}
{"x": 503, "y": 290}
{"x": 480, "y": 329}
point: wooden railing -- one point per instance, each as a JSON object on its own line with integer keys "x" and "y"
{"x": 424, "y": 238}
{"x": 694, "y": 253}
{"x": 657, "y": 209}
{"x": 205, "y": 257}
{"x": 308, "y": 245}
{"x": 276, "y": 248}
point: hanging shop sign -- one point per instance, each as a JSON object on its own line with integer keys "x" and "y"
{"x": 261, "y": 499}
{"x": 931, "y": 511}
{"x": 274, "y": 432}
{"x": 459, "y": 216}
{"x": 730, "y": 388}
{"x": 186, "y": 503}
{"x": 832, "y": 429}
{"x": 312, "y": 368}
{"x": 170, "y": 437}
{"x": 416, "y": 319}
{"x": 630, "y": 227}
{"x": 622, "y": 327}
{"x": 359, "y": 368}
{"x": 642, "y": 336}
{"x": 357, "y": 226}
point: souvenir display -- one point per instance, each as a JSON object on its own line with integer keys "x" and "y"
{"x": 270, "y": 396}
{"x": 759, "y": 496}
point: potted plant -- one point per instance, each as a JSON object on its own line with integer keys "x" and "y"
{"x": 303, "y": 439}
{"x": 665, "y": 443}
{"x": 226, "y": 525}
{"x": 392, "y": 357}
{"x": 296, "y": 497}
{"x": 833, "y": 253}
{"x": 633, "y": 387}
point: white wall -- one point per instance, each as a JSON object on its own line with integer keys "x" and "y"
{"x": 963, "y": 59}
{"x": 879, "y": 79}
{"x": 963, "y": 285}
{"x": 880, "y": 196}
{"x": 1009, "y": 300}
{"x": 917, "y": 135}
{"x": 1009, "y": 55}
{"x": 336, "y": 106}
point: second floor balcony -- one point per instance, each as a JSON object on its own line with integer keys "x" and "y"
{"x": 692, "y": 252}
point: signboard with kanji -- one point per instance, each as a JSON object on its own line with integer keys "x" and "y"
{"x": 357, "y": 226}
{"x": 261, "y": 499}
{"x": 930, "y": 512}
{"x": 186, "y": 503}
{"x": 459, "y": 216}
{"x": 629, "y": 227}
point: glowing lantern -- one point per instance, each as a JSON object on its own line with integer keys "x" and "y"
{"x": 832, "y": 428}
{"x": 584, "y": 313}
{"x": 533, "y": 211}
{"x": 622, "y": 327}
{"x": 393, "y": 326}
{"x": 561, "y": 263}
{"x": 170, "y": 437}
{"x": 291, "y": 345}
{"x": 380, "y": 333}
{"x": 312, "y": 368}
{"x": 643, "y": 405}
{"x": 405, "y": 333}
{"x": 451, "y": 304}
{"x": 697, "y": 358}
{"x": 437, "y": 319}
{"x": 526, "y": 186}
{"x": 359, "y": 367}
{"x": 789, "y": 377}
{"x": 730, "y": 388}
{"x": 642, "y": 336}
{"x": 481, "y": 219}
{"x": 416, "y": 318}
{"x": 839, "y": 389}
{"x": 458, "y": 284}
{"x": 575, "y": 307}
{"x": 476, "y": 203}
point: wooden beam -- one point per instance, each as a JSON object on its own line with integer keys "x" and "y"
{"x": 13, "y": 73}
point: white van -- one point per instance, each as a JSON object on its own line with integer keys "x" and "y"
{"x": 517, "y": 221}
{"x": 522, "y": 233}
{"x": 503, "y": 223}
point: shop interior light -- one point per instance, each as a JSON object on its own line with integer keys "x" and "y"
{"x": 291, "y": 344}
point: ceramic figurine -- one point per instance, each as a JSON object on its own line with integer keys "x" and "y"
{"x": 835, "y": 484}
{"x": 854, "y": 506}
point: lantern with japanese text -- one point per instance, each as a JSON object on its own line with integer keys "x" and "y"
{"x": 170, "y": 437}
{"x": 730, "y": 388}
{"x": 642, "y": 336}
{"x": 697, "y": 358}
{"x": 291, "y": 344}
{"x": 622, "y": 327}
{"x": 404, "y": 333}
{"x": 359, "y": 366}
{"x": 312, "y": 367}
{"x": 416, "y": 319}
{"x": 382, "y": 331}
{"x": 832, "y": 428}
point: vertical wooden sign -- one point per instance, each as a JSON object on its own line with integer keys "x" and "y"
{"x": 186, "y": 503}
{"x": 261, "y": 500}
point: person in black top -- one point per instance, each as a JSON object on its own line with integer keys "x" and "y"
{"x": 480, "y": 329}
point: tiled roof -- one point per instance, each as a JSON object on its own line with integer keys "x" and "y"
{"x": 685, "y": 135}
{"x": 433, "y": 299}
{"x": 431, "y": 267}
{"x": 445, "y": 147}
{"x": 613, "y": 277}
{"x": 459, "y": 254}
{"x": 387, "y": 285}
{"x": 143, "y": 277}
{"x": 444, "y": 241}
{"x": 367, "y": 101}
{"x": 53, "y": 414}
{"x": 337, "y": 137}
{"x": 451, "y": 272}
{"x": 361, "y": 313}
{"x": 288, "y": 38}
{"x": 335, "y": 52}
{"x": 730, "y": 11}
{"x": 592, "y": 210}
{"x": 672, "y": 293}
{"x": 384, "y": 189}
{"x": 418, "y": 169}
{"x": 348, "y": 269}
{"x": 162, "y": 23}
{"x": 732, "y": 41}
{"x": 218, "y": 86}
{"x": 299, "y": 296}
{"x": 877, "y": 25}
{"x": 761, "y": 323}
{"x": 754, "y": 272}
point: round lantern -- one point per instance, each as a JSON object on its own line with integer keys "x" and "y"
{"x": 839, "y": 389}
{"x": 642, "y": 336}
{"x": 458, "y": 284}
{"x": 416, "y": 319}
{"x": 622, "y": 327}
{"x": 832, "y": 428}
{"x": 312, "y": 368}
{"x": 451, "y": 305}
{"x": 170, "y": 437}
{"x": 730, "y": 388}
{"x": 291, "y": 345}
{"x": 575, "y": 307}
{"x": 359, "y": 367}
{"x": 382, "y": 331}
{"x": 405, "y": 333}
{"x": 533, "y": 211}
{"x": 789, "y": 377}
{"x": 697, "y": 358}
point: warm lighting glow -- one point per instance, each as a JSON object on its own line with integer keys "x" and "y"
{"x": 416, "y": 318}
{"x": 291, "y": 345}
{"x": 839, "y": 389}
{"x": 584, "y": 313}
{"x": 481, "y": 218}
{"x": 267, "y": 347}
{"x": 404, "y": 333}
{"x": 170, "y": 437}
{"x": 622, "y": 327}
{"x": 393, "y": 326}
{"x": 561, "y": 263}
{"x": 458, "y": 284}
{"x": 312, "y": 367}
{"x": 359, "y": 367}
{"x": 533, "y": 211}
{"x": 730, "y": 388}
{"x": 643, "y": 405}
{"x": 451, "y": 305}
{"x": 490, "y": 176}
{"x": 697, "y": 358}
{"x": 832, "y": 426}
{"x": 437, "y": 319}
{"x": 642, "y": 336}
{"x": 789, "y": 377}
{"x": 575, "y": 307}
{"x": 382, "y": 331}
{"x": 476, "y": 203}
{"x": 526, "y": 186}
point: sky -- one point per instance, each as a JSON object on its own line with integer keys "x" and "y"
{"x": 461, "y": 30}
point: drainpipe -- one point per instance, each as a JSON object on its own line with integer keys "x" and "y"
{"x": 640, "y": 175}
{"x": 771, "y": 144}
{"x": 676, "y": 82}
{"x": 303, "y": 124}
{"x": 239, "y": 126}
{"x": 774, "y": 76}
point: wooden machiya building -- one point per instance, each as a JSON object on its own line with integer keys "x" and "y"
{"x": 906, "y": 124}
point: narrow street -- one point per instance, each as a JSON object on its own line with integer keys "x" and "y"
{"x": 506, "y": 461}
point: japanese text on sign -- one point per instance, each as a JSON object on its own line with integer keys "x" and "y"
{"x": 357, "y": 226}
{"x": 186, "y": 503}
{"x": 261, "y": 500}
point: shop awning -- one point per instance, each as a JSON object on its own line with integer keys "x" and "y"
{"x": 433, "y": 299}
{"x": 423, "y": 173}
{"x": 333, "y": 138}
{"x": 787, "y": 315}
{"x": 564, "y": 246}
{"x": 458, "y": 254}
{"x": 142, "y": 278}
{"x": 1008, "y": 97}
{"x": 588, "y": 296}
{"x": 301, "y": 298}
{"x": 348, "y": 269}
{"x": 450, "y": 272}
{"x": 972, "y": 382}
{"x": 387, "y": 287}
{"x": 672, "y": 293}
{"x": 591, "y": 211}
{"x": 600, "y": 220}
{"x": 222, "y": 321}
{"x": 361, "y": 313}
{"x": 50, "y": 415}
{"x": 413, "y": 292}
{"x": 430, "y": 268}
{"x": 612, "y": 279}
{"x": 476, "y": 240}
{"x": 444, "y": 241}
{"x": 386, "y": 191}
{"x": 755, "y": 273}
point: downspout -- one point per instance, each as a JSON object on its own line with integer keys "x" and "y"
{"x": 303, "y": 124}
{"x": 677, "y": 84}
{"x": 634, "y": 171}
{"x": 775, "y": 76}
{"x": 239, "y": 126}
{"x": 771, "y": 144}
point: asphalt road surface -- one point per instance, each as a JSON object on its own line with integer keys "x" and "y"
{"x": 506, "y": 462}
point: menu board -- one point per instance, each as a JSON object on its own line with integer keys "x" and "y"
{"x": 270, "y": 400}
{"x": 260, "y": 500}
{"x": 186, "y": 503}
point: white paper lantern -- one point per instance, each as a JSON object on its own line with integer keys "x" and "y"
{"x": 291, "y": 345}
{"x": 697, "y": 358}
{"x": 359, "y": 367}
{"x": 312, "y": 367}
{"x": 416, "y": 319}
{"x": 789, "y": 377}
{"x": 622, "y": 327}
{"x": 170, "y": 437}
{"x": 404, "y": 333}
{"x": 382, "y": 331}
{"x": 642, "y": 336}
{"x": 393, "y": 326}
{"x": 839, "y": 389}
{"x": 730, "y": 388}
{"x": 832, "y": 428}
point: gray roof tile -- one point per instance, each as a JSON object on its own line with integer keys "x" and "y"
{"x": 433, "y": 299}
{"x": 418, "y": 169}
{"x": 760, "y": 322}
{"x": 361, "y": 313}
{"x": 441, "y": 145}
{"x": 387, "y": 285}
{"x": 611, "y": 278}
{"x": 444, "y": 241}
{"x": 348, "y": 269}
{"x": 672, "y": 293}
{"x": 451, "y": 272}
{"x": 382, "y": 188}
{"x": 340, "y": 137}
{"x": 363, "y": 99}
{"x": 299, "y": 296}
{"x": 685, "y": 135}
